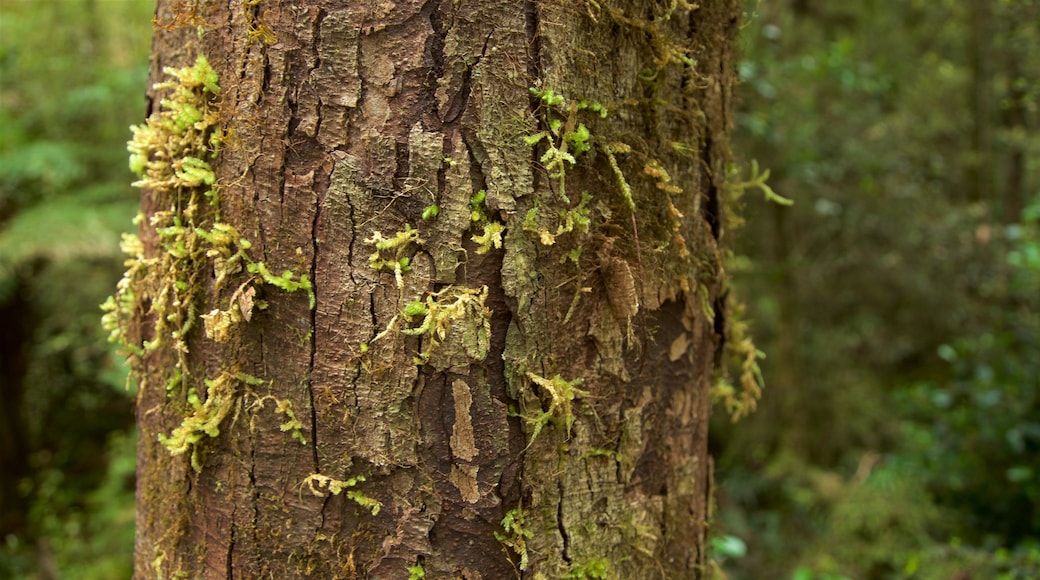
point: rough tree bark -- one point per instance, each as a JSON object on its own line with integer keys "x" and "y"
{"x": 517, "y": 294}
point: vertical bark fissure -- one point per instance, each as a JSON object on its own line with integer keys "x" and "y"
{"x": 258, "y": 202}
{"x": 350, "y": 244}
{"x": 561, "y": 526}
{"x": 254, "y": 496}
{"x": 434, "y": 56}
{"x": 313, "y": 320}
{"x": 534, "y": 43}
{"x": 265, "y": 77}
{"x": 229, "y": 561}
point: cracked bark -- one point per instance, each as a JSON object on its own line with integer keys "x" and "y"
{"x": 342, "y": 126}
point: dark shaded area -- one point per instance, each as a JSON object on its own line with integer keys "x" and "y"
{"x": 14, "y": 447}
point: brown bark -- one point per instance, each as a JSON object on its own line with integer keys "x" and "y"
{"x": 348, "y": 119}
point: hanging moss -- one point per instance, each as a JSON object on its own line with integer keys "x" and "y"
{"x": 171, "y": 153}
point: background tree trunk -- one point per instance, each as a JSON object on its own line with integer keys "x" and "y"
{"x": 529, "y": 390}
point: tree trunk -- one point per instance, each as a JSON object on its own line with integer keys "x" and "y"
{"x": 491, "y": 352}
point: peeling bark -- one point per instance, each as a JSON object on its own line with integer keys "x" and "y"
{"x": 347, "y": 122}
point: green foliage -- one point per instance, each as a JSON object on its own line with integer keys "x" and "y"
{"x": 71, "y": 79}
{"x": 897, "y": 298}
{"x": 516, "y": 534}
{"x": 85, "y": 227}
{"x": 975, "y": 431}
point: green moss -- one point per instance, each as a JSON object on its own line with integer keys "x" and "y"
{"x": 205, "y": 418}
{"x": 490, "y": 238}
{"x": 391, "y": 253}
{"x": 172, "y": 153}
{"x": 320, "y": 485}
{"x": 285, "y": 281}
{"x": 476, "y": 206}
{"x": 757, "y": 180}
{"x": 454, "y": 306}
{"x": 593, "y": 568}
{"x": 741, "y": 352}
{"x": 561, "y": 393}
{"x": 516, "y": 534}
{"x": 168, "y": 153}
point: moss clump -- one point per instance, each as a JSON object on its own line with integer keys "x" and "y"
{"x": 169, "y": 153}
{"x": 516, "y": 534}
{"x": 391, "y": 253}
{"x": 561, "y": 393}
{"x": 205, "y": 418}
{"x": 453, "y": 307}
{"x": 320, "y": 485}
{"x": 195, "y": 251}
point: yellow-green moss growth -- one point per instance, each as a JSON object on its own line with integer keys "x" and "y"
{"x": 322, "y": 485}
{"x": 452, "y": 307}
{"x": 561, "y": 393}
{"x": 164, "y": 287}
{"x": 169, "y": 153}
{"x": 516, "y": 534}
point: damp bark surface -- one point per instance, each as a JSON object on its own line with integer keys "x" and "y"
{"x": 566, "y": 385}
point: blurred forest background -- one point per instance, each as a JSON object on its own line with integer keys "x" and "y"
{"x": 72, "y": 79}
{"x": 898, "y": 299}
